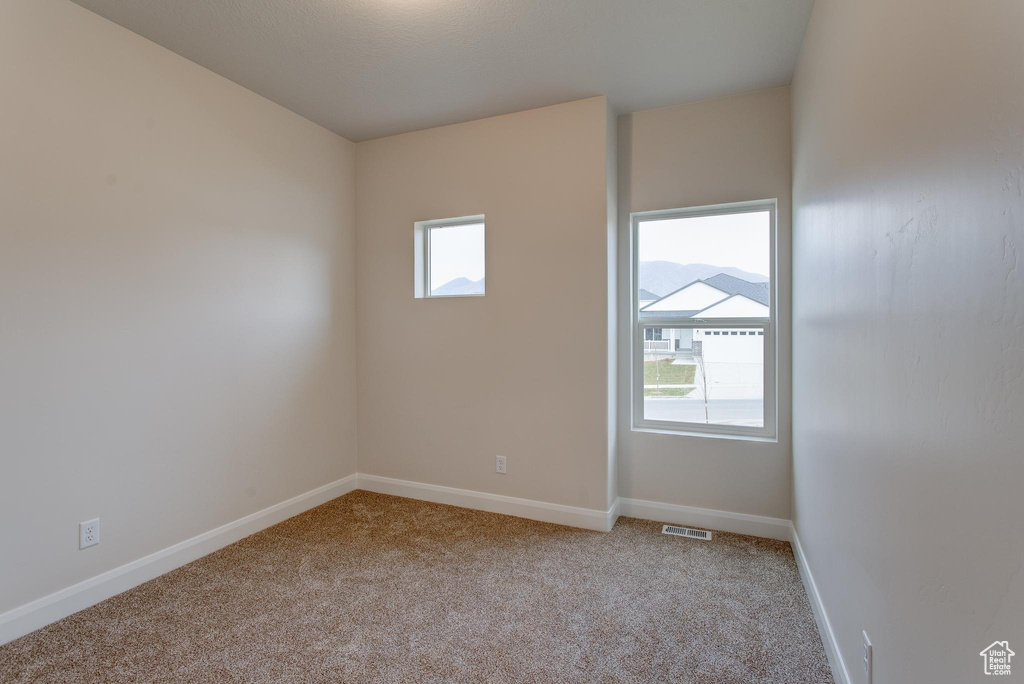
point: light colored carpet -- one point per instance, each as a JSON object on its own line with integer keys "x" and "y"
{"x": 373, "y": 588}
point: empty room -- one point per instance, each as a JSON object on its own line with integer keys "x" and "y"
{"x": 512, "y": 341}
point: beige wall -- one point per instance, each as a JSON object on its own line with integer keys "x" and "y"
{"x": 727, "y": 150}
{"x": 612, "y": 312}
{"x": 176, "y": 308}
{"x": 447, "y": 384}
{"x": 909, "y": 329}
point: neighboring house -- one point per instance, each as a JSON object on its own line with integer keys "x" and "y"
{"x": 720, "y": 296}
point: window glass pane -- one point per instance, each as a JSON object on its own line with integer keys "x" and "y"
{"x": 710, "y": 377}
{"x": 457, "y": 260}
{"x": 705, "y": 266}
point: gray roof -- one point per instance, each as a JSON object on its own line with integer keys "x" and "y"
{"x": 731, "y": 285}
{"x": 669, "y": 314}
{"x": 647, "y": 295}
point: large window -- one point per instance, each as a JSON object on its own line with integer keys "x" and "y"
{"x": 704, "y": 320}
{"x": 450, "y": 257}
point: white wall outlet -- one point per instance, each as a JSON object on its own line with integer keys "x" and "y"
{"x": 867, "y": 658}
{"x": 89, "y": 533}
{"x": 499, "y": 465}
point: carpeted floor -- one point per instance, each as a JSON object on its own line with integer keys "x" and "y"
{"x": 373, "y": 588}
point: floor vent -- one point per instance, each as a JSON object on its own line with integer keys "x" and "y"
{"x": 686, "y": 532}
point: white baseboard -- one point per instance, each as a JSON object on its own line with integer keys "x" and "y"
{"x": 41, "y": 612}
{"x": 726, "y": 521}
{"x": 828, "y": 637}
{"x": 587, "y": 518}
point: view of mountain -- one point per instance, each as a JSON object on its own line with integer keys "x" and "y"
{"x": 662, "y": 277}
{"x": 461, "y": 286}
{"x": 657, "y": 277}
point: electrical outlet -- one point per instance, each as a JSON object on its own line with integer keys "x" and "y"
{"x": 89, "y": 533}
{"x": 867, "y": 658}
{"x": 499, "y": 465}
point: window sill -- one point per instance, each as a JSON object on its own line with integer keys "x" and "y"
{"x": 706, "y": 435}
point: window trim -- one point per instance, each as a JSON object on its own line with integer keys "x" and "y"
{"x": 421, "y": 254}
{"x": 769, "y": 432}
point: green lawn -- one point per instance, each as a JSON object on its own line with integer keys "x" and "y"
{"x": 665, "y": 373}
{"x": 667, "y": 391}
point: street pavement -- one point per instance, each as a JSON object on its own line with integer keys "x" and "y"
{"x": 690, "y": 409}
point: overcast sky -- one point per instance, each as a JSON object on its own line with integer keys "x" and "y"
{"x": 739, "y": 240}
{"x": 456, "y": 252}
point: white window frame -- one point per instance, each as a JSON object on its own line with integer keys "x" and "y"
{"x": 421, "y": 253}
{"x": 769, "y": 431}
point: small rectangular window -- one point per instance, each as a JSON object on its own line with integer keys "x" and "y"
{"x": 450, "y": 258}
{"x": 705, "y": 273}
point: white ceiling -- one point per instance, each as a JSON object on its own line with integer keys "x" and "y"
{"x": 370, "y": 68}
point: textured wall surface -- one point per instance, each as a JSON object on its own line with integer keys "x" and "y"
{"x": 447, "y": 384}
{"x": 908, "y": 332}
{"x": 176, "y": 307}
{"x": 732, "y": 149}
